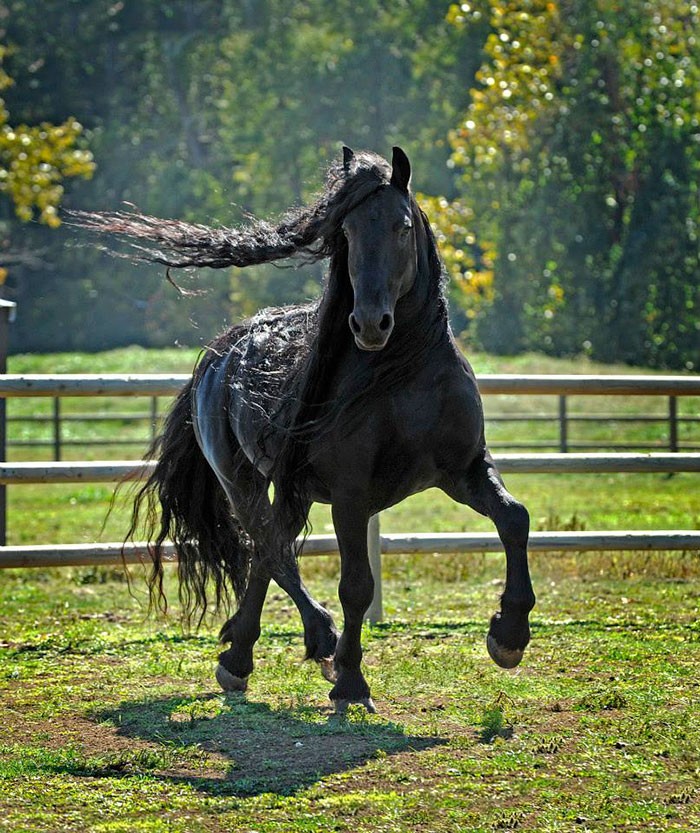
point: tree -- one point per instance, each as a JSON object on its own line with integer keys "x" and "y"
{"x": 34, "y": 162}
{"x": 210, "y": 110}
{"x": 35, "y": 159}
{"x": 579, "y": 157}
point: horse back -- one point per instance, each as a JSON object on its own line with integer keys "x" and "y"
{"x": 242, "y": 384}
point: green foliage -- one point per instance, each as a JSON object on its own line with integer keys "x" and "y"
{"x": 35, "y": 159}
{"x": 561, "y": 137}
{"x": 579, "y": 155}
{"x": 494, "y": 723}
{"x": 210, "y": 112}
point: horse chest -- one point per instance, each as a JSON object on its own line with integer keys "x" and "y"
{"x": 401, "y": 441}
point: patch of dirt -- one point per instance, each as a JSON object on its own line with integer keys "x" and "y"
{"x": 251, "y": 749}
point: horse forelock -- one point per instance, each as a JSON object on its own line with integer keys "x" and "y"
{"x": 316, "y": 230}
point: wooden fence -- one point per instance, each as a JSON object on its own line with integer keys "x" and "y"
{"x": 561, "y": 417}
{"x": 153, "y": 385}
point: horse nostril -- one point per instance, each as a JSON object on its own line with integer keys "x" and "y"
{"x": 386, "y": 322}
{"x": 354, "y": 326}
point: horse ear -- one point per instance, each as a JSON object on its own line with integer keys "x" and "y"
{"x": 348, "y": 156}
{"x": 400, "y": 169}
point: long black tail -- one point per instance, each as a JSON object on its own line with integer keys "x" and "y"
{"x": 183, "y": 502}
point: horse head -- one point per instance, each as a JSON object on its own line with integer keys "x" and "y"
{"x": 382, "y": 254}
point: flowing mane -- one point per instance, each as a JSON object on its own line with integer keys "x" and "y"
{"x": 311, "y": 232}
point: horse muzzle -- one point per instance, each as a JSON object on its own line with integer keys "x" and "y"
{"x": 371, "y": 332}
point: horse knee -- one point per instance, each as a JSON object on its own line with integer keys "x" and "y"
{"x": 513, "y": 524}
{"x": 357, "y": 591}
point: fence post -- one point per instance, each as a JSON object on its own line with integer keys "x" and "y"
{"x": 56, "y": 428}
{"x": 374, "y": 548}
{"x": 563, "y": 425}
{"x": 8, "y": 311}
{"x": 154, "y": 418}
{"x": 672, "y": 423}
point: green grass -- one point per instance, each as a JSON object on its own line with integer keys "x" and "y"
{"x": 112, "y": 722}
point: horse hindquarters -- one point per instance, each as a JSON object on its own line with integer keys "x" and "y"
{"x": 195, "y": 515}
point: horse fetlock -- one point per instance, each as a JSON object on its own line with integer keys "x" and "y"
{"x": 519, "y": 605}
{"x": 238, "y": 630}
{"x": 321, "y": 640}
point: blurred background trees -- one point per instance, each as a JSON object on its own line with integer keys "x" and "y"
{"x": 556, "y": 146}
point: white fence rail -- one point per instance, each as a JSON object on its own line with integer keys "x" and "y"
{"x": 438, "y": 543}
{"x": 115, "y": 470}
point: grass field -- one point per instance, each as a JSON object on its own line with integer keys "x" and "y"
{"x": 111, "y": 721}
{"x": 114, "y": 723}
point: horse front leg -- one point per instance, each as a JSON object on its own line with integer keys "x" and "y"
{"x": 482, "y": 488}
{"x": 355, "y": 592}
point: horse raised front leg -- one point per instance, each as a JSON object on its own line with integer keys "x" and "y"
{"x": 355, "y": 591}
{"x": 482, "y": 488}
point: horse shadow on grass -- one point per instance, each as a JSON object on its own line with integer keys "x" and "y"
{"x": 229, "y": 745}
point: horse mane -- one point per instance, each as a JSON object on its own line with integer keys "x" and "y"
{"x": 311, "y": 413}
{"x": 311, "y": 232}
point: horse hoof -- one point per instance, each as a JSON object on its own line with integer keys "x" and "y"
{"x": 327, "y": 667}
{"x": 341, "y": 706}
{"x": 229, "y": 681}
{"x": 504, "y": 657}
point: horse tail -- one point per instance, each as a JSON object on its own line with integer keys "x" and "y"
{"x": 183, "y": 502}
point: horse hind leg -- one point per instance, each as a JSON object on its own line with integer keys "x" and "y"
{"x": 242, "y": 486}
{"x": 273, "y": 557}
{"x": 273, "y": 554}
{"x": 242, "y": 631}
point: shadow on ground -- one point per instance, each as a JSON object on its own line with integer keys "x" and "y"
{"x": 228, "y": 745}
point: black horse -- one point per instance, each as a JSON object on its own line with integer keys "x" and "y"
{"x": 357, "y": 400}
